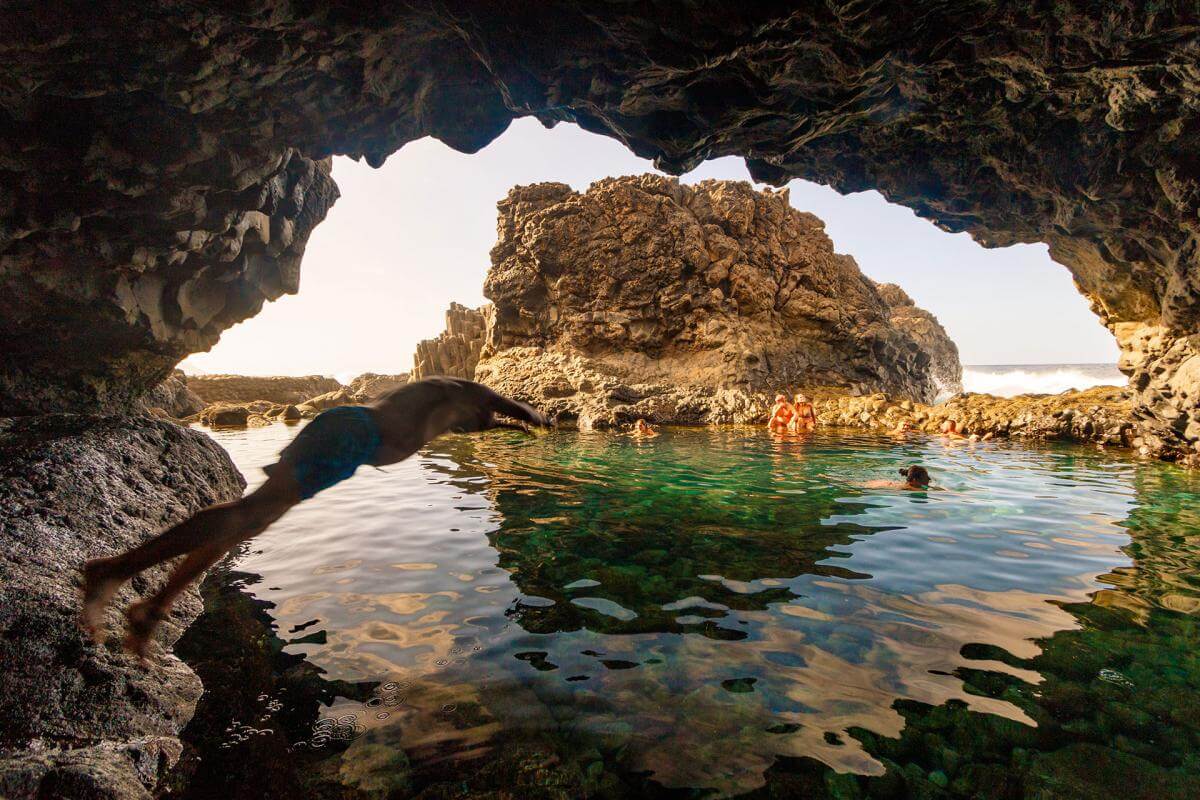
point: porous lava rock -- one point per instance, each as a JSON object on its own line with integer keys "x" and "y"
{"x": 82, "y": 720}
{"x": 695, "y": 290}
{"x": 164, "y": 163}
{"x": 281, "y": 389}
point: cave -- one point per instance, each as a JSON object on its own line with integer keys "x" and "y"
{"x": 165, "y": 165}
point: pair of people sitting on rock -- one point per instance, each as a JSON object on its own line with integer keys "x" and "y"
{"x": 951, "y": 430}
{"x": 798, "y": 416}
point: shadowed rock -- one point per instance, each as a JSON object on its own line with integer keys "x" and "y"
{"x": 82, "y": 720}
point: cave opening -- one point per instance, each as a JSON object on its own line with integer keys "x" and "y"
{"x": 408, "y": 238}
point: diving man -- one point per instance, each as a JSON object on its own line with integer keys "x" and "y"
{"x": 324, "y": 453}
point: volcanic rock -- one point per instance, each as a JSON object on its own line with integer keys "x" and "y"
{"x": 164, "y": 164}
{"x": 82, "y": 720}
{"x": 695, "y": 290}
{"x": 924, "y": 328}
{"x": 456, "y": 350}
{"x": 315, "y": 405}
{"x": 1100, "y": 415}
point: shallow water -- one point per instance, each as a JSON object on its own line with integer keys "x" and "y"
{"x": 714, "y": 609}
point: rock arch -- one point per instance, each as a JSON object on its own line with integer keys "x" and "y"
{"x": 163, "y": 163}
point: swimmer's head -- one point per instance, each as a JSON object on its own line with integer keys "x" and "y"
{"x": 781, "y": 398}
{"x": 915, "y": 475}
{"x": 640, "y": 425}
{"x": 949, "y": 426}
{"x": 801, "y": 398}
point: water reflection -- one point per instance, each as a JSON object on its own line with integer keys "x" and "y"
{"x": 711, "y": 609}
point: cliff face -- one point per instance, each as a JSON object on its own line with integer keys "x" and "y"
{"x": 164, "y": 164}
{"x": 713, "y": 285}
{"x": 924, "y": 329}
{"x": 455, "y": 352}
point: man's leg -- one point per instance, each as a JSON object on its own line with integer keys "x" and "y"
{"x": 206, "y": 536}
{"x": 253, "y": 515}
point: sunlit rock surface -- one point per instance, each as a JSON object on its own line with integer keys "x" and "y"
{"x": 455, "y": 352}
{"x": 81, "y": 720}
{"x": 164, "y": 165}
{"x": 1101, "y": 415}
{"x": 371, "y": 385}
{"x": 687, "y": 291}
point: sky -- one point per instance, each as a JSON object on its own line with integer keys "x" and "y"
{"x": 408, "y": 238}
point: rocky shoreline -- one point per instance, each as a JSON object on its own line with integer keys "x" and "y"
{"x": 578, "y": 394}
{"x": 1099, "y": 415}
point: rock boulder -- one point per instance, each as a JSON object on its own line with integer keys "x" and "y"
{"x": 82, "y": 720}
{"x": 711, "y": 287}
{"x": 174, "y": 397}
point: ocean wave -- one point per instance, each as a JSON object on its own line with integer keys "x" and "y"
{"x": 1050, "y": 379}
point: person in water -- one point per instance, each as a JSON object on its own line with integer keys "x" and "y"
{"x": 915, "y": 477}
{"x": 950, "y": 429}
{"x": 805, "y": 418}
{"x": 781, "y": 414}
{"x": 642, "y": 428}
{"x": 324, "y": 453}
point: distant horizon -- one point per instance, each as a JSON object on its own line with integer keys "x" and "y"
{"x": 406, "y": 239}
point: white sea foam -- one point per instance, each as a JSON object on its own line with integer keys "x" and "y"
{"x": 1009, "y": 380}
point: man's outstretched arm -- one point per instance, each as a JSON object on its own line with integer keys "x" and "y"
{"x": 517, "y": 410}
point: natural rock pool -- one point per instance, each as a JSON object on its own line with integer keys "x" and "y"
{"x": 716, "y": 612}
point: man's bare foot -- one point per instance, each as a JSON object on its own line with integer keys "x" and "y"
{"x": 99, "y": 586}
{"x": 143, "y": 619}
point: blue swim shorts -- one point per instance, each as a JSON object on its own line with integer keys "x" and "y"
{"x": 330, "y": 448}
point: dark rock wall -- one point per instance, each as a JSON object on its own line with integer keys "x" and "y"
{"x": 162, "y": 162}
{"x": 81, "y": 720}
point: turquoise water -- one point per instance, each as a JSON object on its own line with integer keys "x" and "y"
{"x": 719, "y": 612}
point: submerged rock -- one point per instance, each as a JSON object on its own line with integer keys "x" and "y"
{"x": 82, "y": 720}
